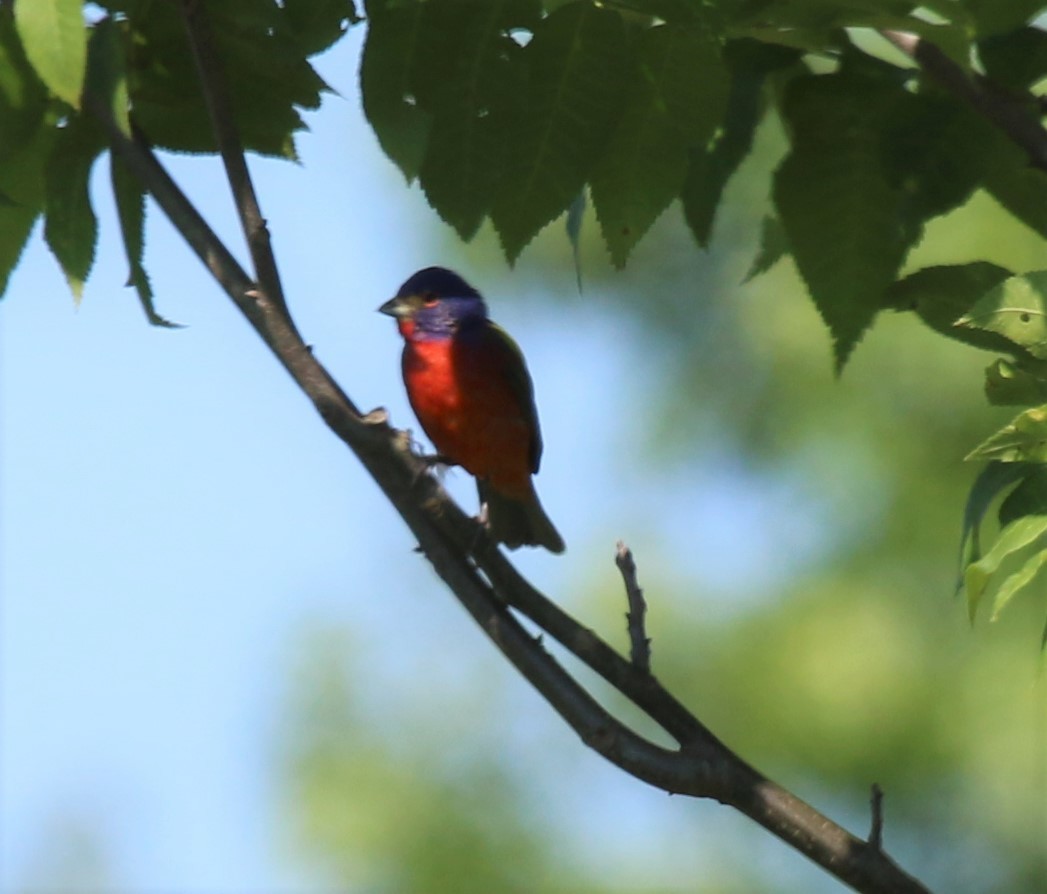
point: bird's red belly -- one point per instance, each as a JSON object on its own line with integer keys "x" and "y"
{"x": 470, "y": 414}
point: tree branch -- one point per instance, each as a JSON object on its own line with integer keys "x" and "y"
{"x": 223, "y": 124}
{"x": 1009, "y": 113}
{"x": 489, "y": 587}
{"x": 639, "y": 643}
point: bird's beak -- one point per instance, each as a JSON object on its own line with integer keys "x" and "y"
{"x": 394, "y": 307}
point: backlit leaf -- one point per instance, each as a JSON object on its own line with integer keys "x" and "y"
{"x": 71, "y": 228}
{"x": 841, "y": 216}
{"x": 55, "y": 39}
{"x": 577, "y": 65}
{"x": 130, "y": 206}
{"x": 390, "y": 54}
{"x": 22, "y": 183}
{"x": 674, "y": 107}
{"x": 1016, "y": 311}
{"x": 710, "y": 168}
{"x": 466, "y": 152}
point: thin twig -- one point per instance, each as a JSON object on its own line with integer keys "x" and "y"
{"x": 876, "y": 805}
{"x": 639, "y": 642}
{"x": 1011, "y": 114}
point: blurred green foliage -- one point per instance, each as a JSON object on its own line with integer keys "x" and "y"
{"x": 845, "y": 665}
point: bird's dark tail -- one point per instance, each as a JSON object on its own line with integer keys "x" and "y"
{"x": 518, "y": 522}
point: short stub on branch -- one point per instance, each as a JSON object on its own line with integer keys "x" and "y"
{"x": 639, "y": 642}
{"x": 876, "y": 805}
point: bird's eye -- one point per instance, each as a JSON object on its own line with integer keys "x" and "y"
{"x": 429, "y": 299}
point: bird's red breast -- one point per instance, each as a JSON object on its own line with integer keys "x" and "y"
{"x": 463, "y": 395}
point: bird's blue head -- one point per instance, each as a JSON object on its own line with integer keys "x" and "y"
{"x": 434, "y": 303}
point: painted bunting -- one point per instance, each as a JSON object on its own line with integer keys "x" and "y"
{"x": 469, "y": 387}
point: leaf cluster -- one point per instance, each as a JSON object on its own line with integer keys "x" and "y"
{"x": 60, "y": 60}
{"x": 505, "y": 111}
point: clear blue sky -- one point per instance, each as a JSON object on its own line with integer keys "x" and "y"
{"x": 172, "y": 509}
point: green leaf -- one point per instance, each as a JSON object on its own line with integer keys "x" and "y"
{"x": 393, "y": 47}
{"x": 578, "y": 65}
{"x": 1012, "y": 540}
{"x": 676, "y": 105}
{"x": 936, "y": 152}
{"x": 319, "y": 24}
{"x": 683, "y": 70}
{"x": 941, "y": 295}
{"x": 773, "y": 246}
{"x": 1020, "y": 580}
{"x": 268, "y": 75}
{"x": 465, "y": 157}
{"x": 1028, "y": 498}
{"x": 130, "y": 206}
{"x": 842, "y": 218}
{"x": 1024, "y": 439}
{"x": 22, "y": 183}
{"x": 573, "y": 226}
{"x": 23, "y": 97}
{"x": 997, "y": 16}
{"x": 987, "y": 486}
{"x": 1016, "y": 311}
{"x": 55, "y": 39}
{"x": 1016, "y": 60}
{"x": 1017, "y": 185}
{"x": 107, "y": 71}
{"x": 712, "y": 166}
{"x": 1010, "y": 384}
{"x": 71, "y": 228}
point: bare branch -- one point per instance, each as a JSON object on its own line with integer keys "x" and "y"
{"x": 1010, "y": 113}
{"x": 223, "y": 124}
{"x": 639, "y": 643}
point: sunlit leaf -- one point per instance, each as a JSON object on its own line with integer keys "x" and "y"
{"x": 1016, "y": 310}
{"x": 1015, "y": 583}
{"x": 1024, "y": 439}
{"x": 54, "y": 35}
{"x": 23, "y": 97}
{"x": 1016, "y": 537}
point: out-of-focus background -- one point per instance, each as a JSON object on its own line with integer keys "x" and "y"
{"x": 223, "y": 669}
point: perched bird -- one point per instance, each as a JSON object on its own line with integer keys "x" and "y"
{"x": 469, "y": 387}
